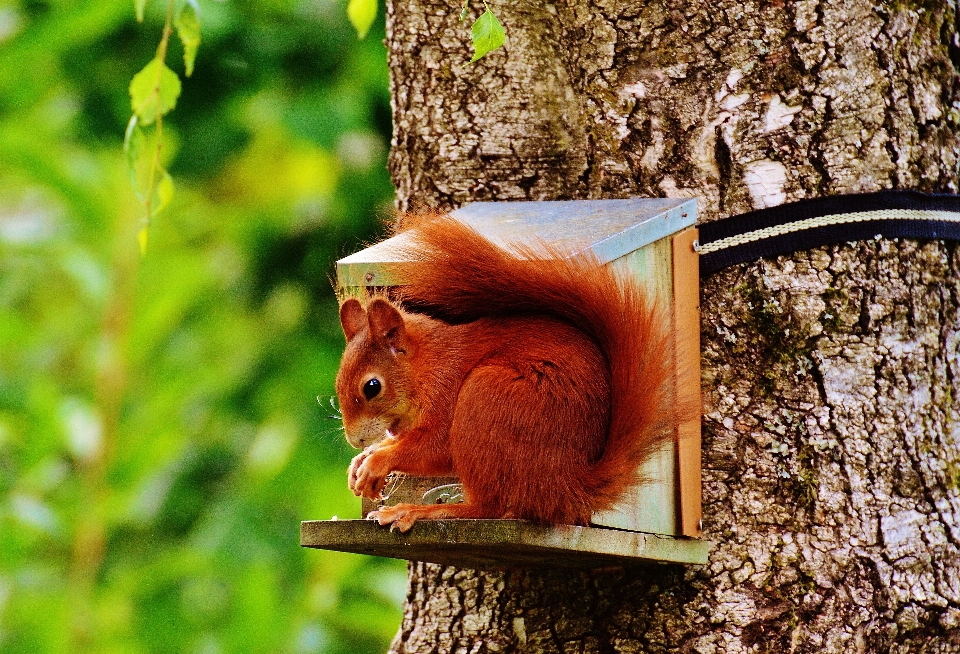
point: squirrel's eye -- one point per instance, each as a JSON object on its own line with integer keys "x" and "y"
{"x": 371, "y": 389}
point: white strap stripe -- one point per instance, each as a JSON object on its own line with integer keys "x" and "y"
{"x": 832, "y": 219}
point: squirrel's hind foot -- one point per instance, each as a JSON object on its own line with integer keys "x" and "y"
{"x": 402, "y": 516}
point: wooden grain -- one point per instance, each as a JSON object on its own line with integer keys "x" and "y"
{"x": 686, "y": 312}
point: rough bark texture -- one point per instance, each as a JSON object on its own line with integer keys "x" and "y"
{"x": 831, "y": 376}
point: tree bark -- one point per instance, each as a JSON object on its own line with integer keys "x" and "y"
{"x": 831, "y": 376}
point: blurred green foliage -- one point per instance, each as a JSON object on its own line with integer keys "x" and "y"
{"x": 160, "y": 431}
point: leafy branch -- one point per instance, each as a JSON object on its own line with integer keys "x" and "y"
{"x": 487, "y": 32}
{"x": 153, "y": 94}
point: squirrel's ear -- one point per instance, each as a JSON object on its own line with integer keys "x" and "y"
{"x": 352, "y": 318}
{"x": 386, "y": 324}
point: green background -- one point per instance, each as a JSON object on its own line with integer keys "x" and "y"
{"x": 160, "y": 430}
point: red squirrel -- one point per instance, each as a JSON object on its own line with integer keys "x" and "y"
{"x": 541, "y": 381}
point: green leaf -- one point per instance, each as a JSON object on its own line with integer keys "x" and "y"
{"x": 188, "y": 29}
{"x": 488, "y": 34}
{"x": 133, "y": 141}
{"x": 139, "y": 6}
{"x": 154, "y": 91}
{"x": 362, "y": 14}
{"x": 463, "y": 11}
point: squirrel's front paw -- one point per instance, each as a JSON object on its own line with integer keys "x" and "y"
{"x": 368, "y": 475}
{"x": 354, "y": 465}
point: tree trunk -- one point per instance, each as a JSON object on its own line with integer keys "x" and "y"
{"x": 831, "y": 376}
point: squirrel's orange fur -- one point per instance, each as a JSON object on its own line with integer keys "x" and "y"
{"x": 543, "y": 386}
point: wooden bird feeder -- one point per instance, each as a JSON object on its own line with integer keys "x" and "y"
{"x": 649, "y": 239}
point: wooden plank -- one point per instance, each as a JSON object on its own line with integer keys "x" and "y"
{"x": 485, "y": 544}
{"x": 686, "y": 304}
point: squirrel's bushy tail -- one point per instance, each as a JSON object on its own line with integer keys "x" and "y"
{"x": 460, "y": 276}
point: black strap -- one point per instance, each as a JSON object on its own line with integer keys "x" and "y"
{"x": 822, "y": 221}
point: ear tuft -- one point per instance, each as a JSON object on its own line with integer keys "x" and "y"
{"x": 386, "y": 324}
{"x": 352, "y": 318}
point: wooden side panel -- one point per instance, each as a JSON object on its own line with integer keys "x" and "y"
{"x": 651, "y": 507}
{"x": 686, "y": 304}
